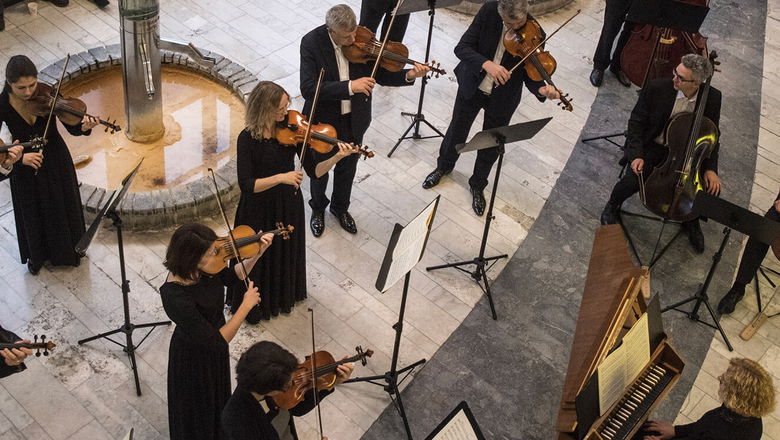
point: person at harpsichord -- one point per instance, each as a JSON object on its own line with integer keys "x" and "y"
{"x": 747, "y": 394}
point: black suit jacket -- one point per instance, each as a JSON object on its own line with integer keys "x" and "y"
{"x": 651, "y": 113}
{"x": 317, "y": 52}
{"x": 477, "y": 45}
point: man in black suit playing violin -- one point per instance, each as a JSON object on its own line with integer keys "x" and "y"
{"x": 484, "y": 66}
{"x": 659, "y": 101}
{"x": 13, "y": 358}
{"x": 345, "y": 103}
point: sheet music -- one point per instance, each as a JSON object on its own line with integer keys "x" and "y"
{"x": 612, "y": 379}
{"x": 458, "y": 428}
{"x": 624, "y": 364}
{"x": 637, "y": 344}
{"x": 408, "y": 250}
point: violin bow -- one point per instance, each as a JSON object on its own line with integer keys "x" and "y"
{"x": 53, "y": 105}
{"x": 313, "y": 372}
{"x": 231, "y": 239}
{"x": 307, "y": 135}
{"x": 385, "y": 39}
{"x": 519, "y": 63}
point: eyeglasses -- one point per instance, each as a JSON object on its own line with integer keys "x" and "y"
{"x": 680, "y": 78}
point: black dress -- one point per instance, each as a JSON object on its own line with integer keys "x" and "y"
{"x": 198, "y": 358}
{"x": 47, "y": 205}
{"x": 280, "y": 274}
{"x": 244, "y": 418}
{"x": 721, "y": 424}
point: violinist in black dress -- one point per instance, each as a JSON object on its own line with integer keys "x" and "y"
{"x": 264, "y": 371}
{"x": 198, "y": 358}
{"x": 44, "y": 188}
{"x": 270, "y": 193}
{"x": 659, "y": 101}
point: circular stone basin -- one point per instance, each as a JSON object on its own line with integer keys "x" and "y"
{"x": 201, "y": 118}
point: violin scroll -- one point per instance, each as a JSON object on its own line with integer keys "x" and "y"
{"x": 282, "y": 230}
{"x": 364, "y": 354}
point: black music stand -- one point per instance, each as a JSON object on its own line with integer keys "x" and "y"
{"x": 404, "y": 251}
{"x": 407, "y": 7}
{"x": 109, "y": 211}
{"x": 670, "y": 14}
{"x": 492, "y": 138}
{"x": 747, "y": 222}
{"x": 732, "y": 217}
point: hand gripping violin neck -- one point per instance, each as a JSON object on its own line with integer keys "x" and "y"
{"x": 70, "y": 111}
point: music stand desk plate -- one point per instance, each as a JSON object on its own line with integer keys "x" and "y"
{"x": 736, "y": 217}
{"x": 510, "y": 133}
{"x": 409, "y": 6}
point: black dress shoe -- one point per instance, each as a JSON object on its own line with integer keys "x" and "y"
{"x": 695, "y": 236}
{"x": 346, "y": 221}
{"x": 59, "y": 3}
{"x": 101, "y": 3}
{"x": 317, "y": 223}
{"x": 33, "y": 267}
{"x": 611, "y": 214}
{"x": 621, "y": 77}
{"x": 596, "y": 77}
{"x": 477, "y": 201}
{"x": 730, "y": 300}
{"x": 434, "y": 178}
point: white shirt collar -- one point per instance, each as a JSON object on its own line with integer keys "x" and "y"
{"x": 680, "y": 94}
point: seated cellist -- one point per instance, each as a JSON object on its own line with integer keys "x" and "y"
{"x": 659, "y": 101}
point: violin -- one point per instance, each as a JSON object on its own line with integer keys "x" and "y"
{"x": 528, "y": 43}
{"x": 366, "y": 48}
{"x": 247, "y": 243}
{"x": 33, "y": 146}
{"x": 43, "y": 345}
{"x": 691, "y": 137}
{"x": 71, "y": 111}
{"x": 324, "y": 371}
{"x": 292, "y": 130}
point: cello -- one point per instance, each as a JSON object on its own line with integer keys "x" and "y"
{"x": 652, "y": 51}
{"x": 690, "y": 138}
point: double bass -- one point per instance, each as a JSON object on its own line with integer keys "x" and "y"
{"x": 670, "y": 190}
{"x": 652, "y": 51}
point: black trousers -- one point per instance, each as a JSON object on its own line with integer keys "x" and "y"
{"x": 371, "y": 13}
{"x": 614, "y": 17}
{"x": 343, "y": 173}
{"x": 754, "y": 254}
{"x": 463, "y": 114}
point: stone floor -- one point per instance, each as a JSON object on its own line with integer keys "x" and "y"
{"x": 86, "y": 392}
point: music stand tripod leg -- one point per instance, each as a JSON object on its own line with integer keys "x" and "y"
{"x": 480, "y": 271}
{"x": 419, "y": 116}
{"x": 701, "y": 296}
{"x": 391, "y": 377}
{"x": 128, "y": 327}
